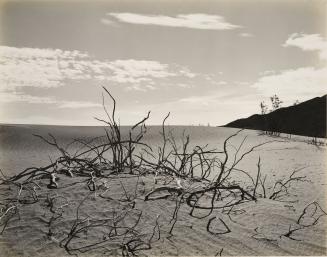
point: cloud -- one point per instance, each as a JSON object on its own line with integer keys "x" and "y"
{"x": 107, "y": 22}
{"x": 140, "y": 75}
{"x": 215, "y": 79}
{"x": 197, "y": 100}
{"x": 77, "y": 104}
{"x": 136, "y": 71}
{"x": 139, "y": 87}
{"x": 34, "y": 67}
{"x": 300, "y": 83}
{"x": 245, "y": 35}
{"x": 193, "y": 21}
{"x": 186, "y": 72}
{"x": 19, "y": 97}
{"x": 51, "y": 68}
{"x": 308, "y": 42}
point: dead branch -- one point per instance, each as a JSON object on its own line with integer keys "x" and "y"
{"x": 308, "y": 218}
{"x": 281, "y": 187}
{"x": 226, "y": 231}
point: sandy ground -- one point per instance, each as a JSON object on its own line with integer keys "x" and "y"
{"x": 256, "y": 227}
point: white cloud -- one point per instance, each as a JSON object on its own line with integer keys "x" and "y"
{"x": 107, "y": 22}
{"x": 139, "y": 87}
{"x": 49, "y": 68}
{"x": 193, "y": 21}
{"x": 35, "y": 67}
{"x": 301, "y": 83}
{"x": 19, "y": 97}
{"x": 186, "y": 72}
{"x": 308, "y": 42}
{"x": 77, "y": 104}
{"x": 136, "y": 71}
{"x": 246, "y": 35}
{"x": 215, "y": 79}
{"x": 197, "y": 100}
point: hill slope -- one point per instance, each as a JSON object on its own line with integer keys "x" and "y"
{"x": 306, "y": 119}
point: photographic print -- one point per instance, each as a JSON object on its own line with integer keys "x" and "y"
{"x": 163, "y": 128}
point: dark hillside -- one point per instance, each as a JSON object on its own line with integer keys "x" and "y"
{"x": 306, "y": 119}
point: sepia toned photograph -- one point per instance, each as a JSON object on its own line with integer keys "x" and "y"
{"x": 163, "y": 128}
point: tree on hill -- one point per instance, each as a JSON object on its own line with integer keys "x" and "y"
{"x": 276, "y": 103}
{"x": 271, "y": 126}
{"x": 296, "y": 102}
{"x": 263, "y": 107}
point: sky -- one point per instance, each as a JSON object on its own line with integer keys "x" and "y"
{"x": 205, "y": 62}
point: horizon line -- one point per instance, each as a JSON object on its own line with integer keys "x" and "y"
{"x": 130, "y": 125}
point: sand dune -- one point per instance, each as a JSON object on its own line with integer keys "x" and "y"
{"x": 256, "y": 227}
